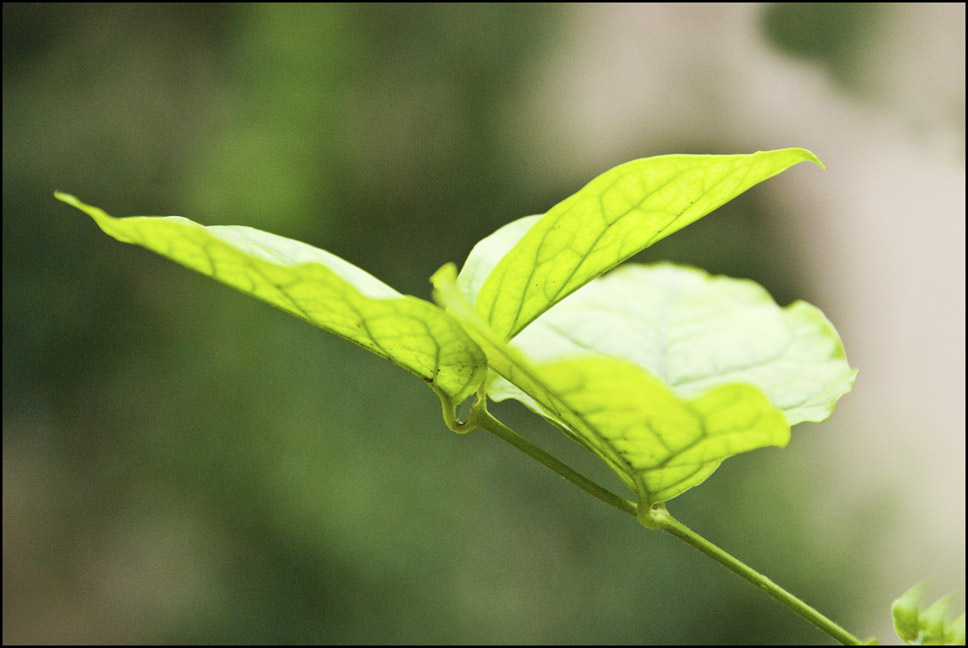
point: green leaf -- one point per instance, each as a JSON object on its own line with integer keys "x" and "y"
{"x": 664, "y": 371}
{"x": 929, "y": 626}
{"x": 658, "y": 443}
{"x": 956, "y": 631}
{"x": 905, "y": 612}
{"x": 934, "y": 620}
{"x": 317, "y": 287}
{"x": 695, "y": 332}
{"x": 616, "y": 215}
{"x": 662, "y": 384}
{"x": 661, "y": 445}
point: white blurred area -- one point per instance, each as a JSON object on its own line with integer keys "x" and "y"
{"x": 881, "y": 232}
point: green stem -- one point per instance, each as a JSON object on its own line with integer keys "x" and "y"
{"x": 661, "y": 519}
{"x": 481, "y": 418}
{"x": 658, "y": 517}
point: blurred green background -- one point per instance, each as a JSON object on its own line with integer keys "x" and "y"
{"x": 184, "y": 464}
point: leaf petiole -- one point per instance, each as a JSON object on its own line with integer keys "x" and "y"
{"x": 481, "y": 418}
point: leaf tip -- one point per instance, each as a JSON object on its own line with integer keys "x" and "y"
{"x": 66, "y": 198}
{"x": 810, "y": 156}
{"x": 446, "y": 273}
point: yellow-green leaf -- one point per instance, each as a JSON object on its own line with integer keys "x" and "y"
{"x": 616, "y": 215}
{"x": 930, "y": 626}
{"x": 661, "y": 445}
{"x": 658, "y": 443}
{"x": 317, "y": 287}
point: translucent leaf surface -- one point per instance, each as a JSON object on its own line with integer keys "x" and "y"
{"x": 694, "y": 332}
{"x": 659, "y": 443}
{"x": 616, "y": 215}
{"x": 319, "y": 288}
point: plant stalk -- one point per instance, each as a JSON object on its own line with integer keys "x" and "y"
{"x": 660, "y": 518}
{"x": 480, "y": 417}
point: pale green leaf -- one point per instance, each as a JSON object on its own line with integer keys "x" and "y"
{"x": 929, "y": 626}
{"x": 488, "y": 252}
{"x": 956, "y": 631}
{"x": 934, "y": 620}
{"x": 658, "y": 443}
{"x": 616, "y": 215}
{"x": 906, "y": 612}
{"x": 694, "y": 332}
{"x": 317, "y": 287}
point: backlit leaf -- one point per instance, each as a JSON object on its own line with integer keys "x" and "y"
{"x": 616, "y": 215}
{"x": 317, "y": 287}
{"x": 694, "y": 331}
{"x": 659, "y": 444}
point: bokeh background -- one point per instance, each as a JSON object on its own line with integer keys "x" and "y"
{"x": 184, "y": 464}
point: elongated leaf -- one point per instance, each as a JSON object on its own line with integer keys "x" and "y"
{"x": 616, "y": 215}
{"x": 694, "y": 332}
{"x": 658, "y": 443}
{"x": 319, "y": 288}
